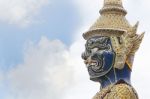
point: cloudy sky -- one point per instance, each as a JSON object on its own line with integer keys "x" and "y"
{"x": 41, "y": 42}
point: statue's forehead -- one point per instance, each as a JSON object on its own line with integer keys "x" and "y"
{"x": 98, "y": 39}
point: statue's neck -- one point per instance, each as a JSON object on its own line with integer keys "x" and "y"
{"x": 115, "y": 75}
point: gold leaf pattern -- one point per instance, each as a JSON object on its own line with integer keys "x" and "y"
{"x": 119, "y": 91}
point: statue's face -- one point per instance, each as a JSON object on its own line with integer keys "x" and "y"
{"x": 99, "y": 56}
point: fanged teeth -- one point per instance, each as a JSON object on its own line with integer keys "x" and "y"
{"x": 94, "y": 64}
{"x": 94, "y": 50}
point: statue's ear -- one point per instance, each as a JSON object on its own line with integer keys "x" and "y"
{"x": 120, "y": 50}
{"x": 120, "y": 61}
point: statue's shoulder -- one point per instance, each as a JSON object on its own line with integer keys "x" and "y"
{"x": 118, "y": 91}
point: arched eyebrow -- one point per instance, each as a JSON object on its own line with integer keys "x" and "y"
{"x": 102, "y": 39}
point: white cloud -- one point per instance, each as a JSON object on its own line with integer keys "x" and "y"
{"x": 1, "y": 78}
{"x": 45, "y": 72}
{"x": 88, "y": 10}
{"x": 20, "y": 12}
{"x": 52, "y": 71}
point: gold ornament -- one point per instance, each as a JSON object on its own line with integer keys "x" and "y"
{"x": 119, "y": 91}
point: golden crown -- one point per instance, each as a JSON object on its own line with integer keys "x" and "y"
{"x": 113, "y": 23}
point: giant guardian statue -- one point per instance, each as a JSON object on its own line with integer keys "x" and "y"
{"x": 110, "y": 50}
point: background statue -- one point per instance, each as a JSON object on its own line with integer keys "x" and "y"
{"x": 109, "y": 52}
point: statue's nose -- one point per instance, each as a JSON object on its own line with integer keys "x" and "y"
{"x": 85, "y": 55}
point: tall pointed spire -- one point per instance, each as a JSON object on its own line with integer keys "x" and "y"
{"x": 117, "y": 2}
{"x": 112, "y": 19}
{"x": 113, "y": 6}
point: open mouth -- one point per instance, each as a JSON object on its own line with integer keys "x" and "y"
{"x": 91, "y": 63}
{"x": 94, "y": 64}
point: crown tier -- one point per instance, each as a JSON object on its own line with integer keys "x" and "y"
{"x": 112, "y": 18}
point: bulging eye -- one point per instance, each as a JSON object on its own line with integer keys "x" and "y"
{"x": 90, "y": 41}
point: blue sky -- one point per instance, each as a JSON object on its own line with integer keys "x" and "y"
{"x": 57, "y": 20}
{"x": 41, "y": 44}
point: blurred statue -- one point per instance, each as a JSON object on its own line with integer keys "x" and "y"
{"x": 109, "y": 52}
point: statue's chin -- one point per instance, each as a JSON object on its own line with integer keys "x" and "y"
{"x": 95, "y": 76}
{"x": 95, "y": 79}
{"x": 95, "y": 73}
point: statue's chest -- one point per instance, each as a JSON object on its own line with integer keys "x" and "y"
{"x": 119, "y": 91}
